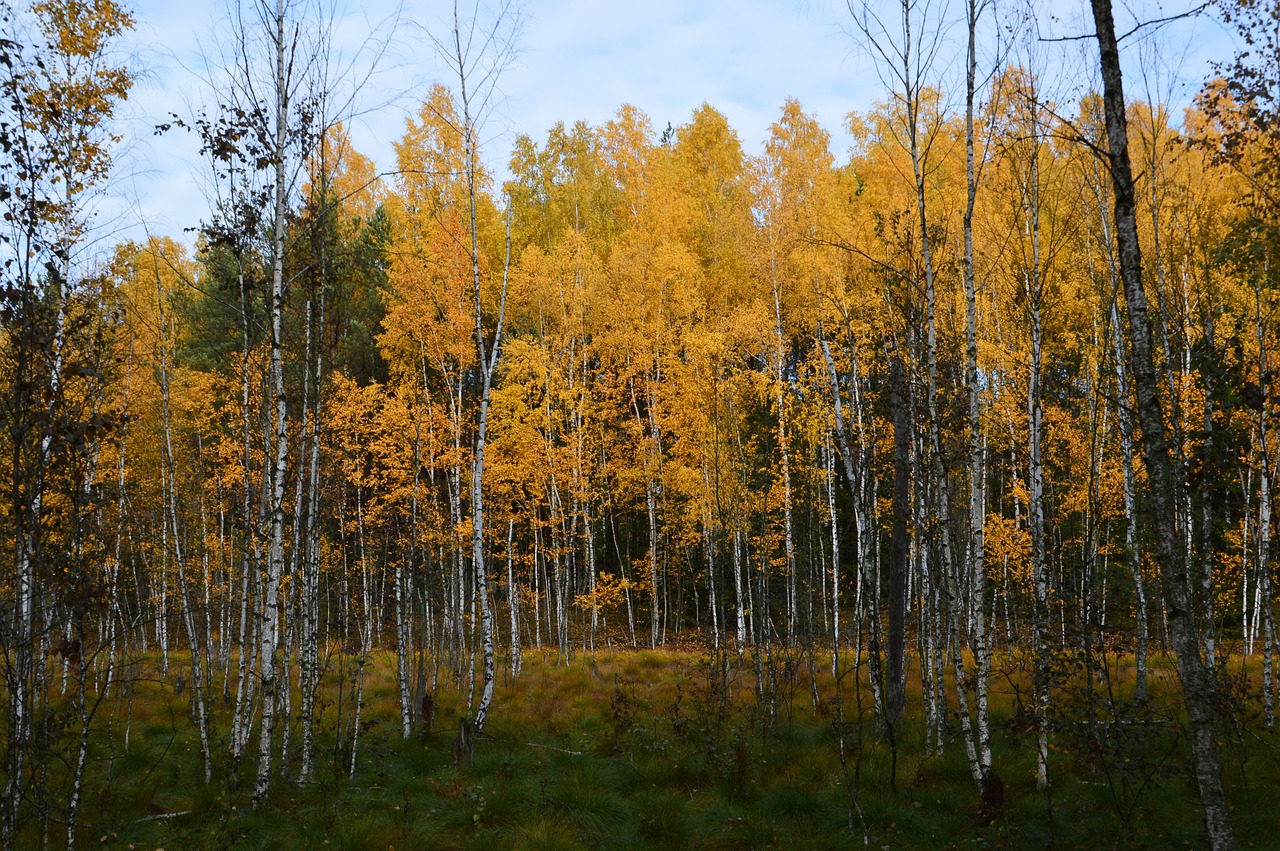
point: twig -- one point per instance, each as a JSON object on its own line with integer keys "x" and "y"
{"x": 553, "y": 748}
{"x": 162, "y": 817}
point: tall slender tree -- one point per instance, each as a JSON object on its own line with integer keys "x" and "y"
{"x": 1199, "y": 684}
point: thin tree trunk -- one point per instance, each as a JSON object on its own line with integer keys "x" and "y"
{"x": 977, "y": 567}
{"x": 168, "y": 476}
{"x": 1125, "y": 419}
{"x": 270, "y": 628}
{"x": 895, "y": 686}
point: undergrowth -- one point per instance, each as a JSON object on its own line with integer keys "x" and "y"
{"x": 664, "y": 749}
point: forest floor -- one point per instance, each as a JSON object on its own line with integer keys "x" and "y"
{"x": 682, "y": 749}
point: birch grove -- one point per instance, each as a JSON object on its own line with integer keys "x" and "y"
{"x": 985, "y": 403}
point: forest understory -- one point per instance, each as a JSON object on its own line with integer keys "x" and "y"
{"x": 676, "y": 749}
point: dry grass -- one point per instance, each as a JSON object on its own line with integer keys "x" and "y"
{"x": 667, "y": 749}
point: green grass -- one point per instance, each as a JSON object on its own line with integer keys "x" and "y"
{"x": 648, "y": 749}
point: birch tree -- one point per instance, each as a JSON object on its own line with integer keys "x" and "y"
{"x": 60, "y": 86}
{"x": 480, "y": 46}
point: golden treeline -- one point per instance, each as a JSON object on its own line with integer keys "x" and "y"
{"x": 663, "y": 455}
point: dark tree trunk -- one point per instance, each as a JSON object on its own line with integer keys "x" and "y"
{"x": 1198, "y": 681}
{"x": 896, "y": 685}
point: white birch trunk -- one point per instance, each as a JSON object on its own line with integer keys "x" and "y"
{"x": 270, "y": 627}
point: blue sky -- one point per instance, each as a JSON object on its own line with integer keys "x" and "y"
{"x": 583, "y": 60}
